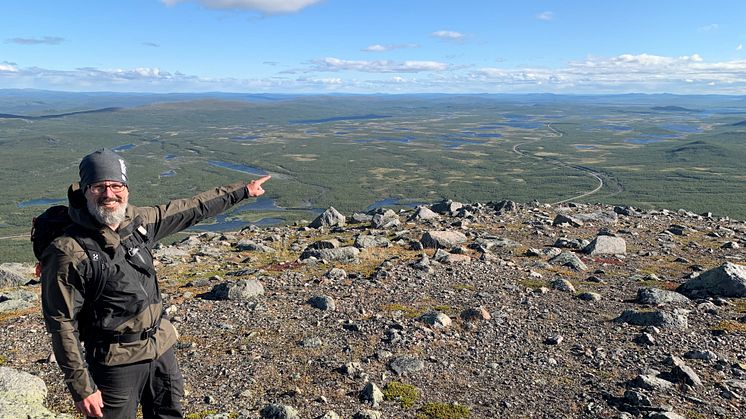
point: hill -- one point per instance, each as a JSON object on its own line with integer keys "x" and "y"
{"x": 523, "y": 311}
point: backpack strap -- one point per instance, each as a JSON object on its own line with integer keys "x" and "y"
{"x": 97, "y": 260}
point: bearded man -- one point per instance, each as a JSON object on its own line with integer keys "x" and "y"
{"x": 100, "y": 296}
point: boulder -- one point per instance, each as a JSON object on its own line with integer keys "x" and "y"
{"x": 388, "y": 219}
{"x": 15, "y": 274}
{"x": 242, "y": 290}
{"x": 329, "y": 218}
{"x": 676, "y": 319}
{"x": 252, "y": 246}
{"x": 447, "y": 207}
{"x": 569, "y": 259}
{"x": 422, "y": 213}
{"x": 606, "y": 245}
{"x": 17, "y": 300}
{"x": 367, "y": 241}
{"x": 347, "y": 254}
{"x": 442, "y": 239}
{"x": 22, "y": 395}
{"x": 655, "y": 296}
{"x": 566, "y": 219}
{"x": 727, "y": 280}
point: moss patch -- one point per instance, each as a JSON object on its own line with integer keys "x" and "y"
{"x": 443, "y": 411}
{"x": 409, "y": 312}
{"x": 405, "y": 394}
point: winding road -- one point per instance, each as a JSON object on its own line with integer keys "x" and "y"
{"x": 587, "y": 170}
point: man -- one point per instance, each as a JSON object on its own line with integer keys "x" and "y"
{"x": 99, "y": 290}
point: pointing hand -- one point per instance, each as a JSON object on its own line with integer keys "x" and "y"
{"x": 255, "y": 186}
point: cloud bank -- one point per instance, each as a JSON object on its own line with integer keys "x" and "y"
{"x": 265, "y": 6}
{"x": 625, "y": 73}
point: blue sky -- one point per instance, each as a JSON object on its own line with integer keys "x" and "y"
{"x": 381, "y": 46}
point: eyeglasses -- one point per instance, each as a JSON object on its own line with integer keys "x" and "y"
{"x": 100, "y": 188}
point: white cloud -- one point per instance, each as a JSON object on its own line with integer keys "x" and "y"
{"x": 8, "y": 67}
{"x": 545, "y": 16}
{"x": 378, "y": 66}
{"x": 47, "y": 40}
{"x": 265, "y": 6}
{"x": 449, "y": 35}
{"x": 739, "y": 47}
{"x": 709, "y": 28}
{"x": 384, "y": 48}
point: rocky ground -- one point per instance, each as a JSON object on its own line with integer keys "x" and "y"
{"x": 521, "y": 311}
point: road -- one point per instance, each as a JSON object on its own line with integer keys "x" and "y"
{"x": 587, "y": 170}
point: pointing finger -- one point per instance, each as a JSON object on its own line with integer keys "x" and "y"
{"x": 258, "y": 182}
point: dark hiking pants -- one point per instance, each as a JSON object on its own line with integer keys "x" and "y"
{"x": 158, "y": 385}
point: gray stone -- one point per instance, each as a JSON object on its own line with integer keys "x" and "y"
{"x": 17, "y": 300}
{"x": 322, "y": 302}
{"x": 727, "y": 280}
{"x": 422, "y": 213}
{"x": 22, "y": 395}
{"x": 562, "y": 284}
{"x": 676, "y": 319}
{"x": 490, "y": 244}
{"x": 682, "y": 372}
{"x": 570, "y": 260}
{"x": 388, "y": 219}
{"x": 311, "y": 342}
{"x": 279, "y": 411}
{"x": 702, "y": 355}
{"x": 650, "y": 382}
{"x": 664, "y": 415}
{"x": 367, "y": 241}
{"x": 252, "y": 246}
{"x": 656, "y": 296}
{"x": 606, "y": 245}
{"x": 590, "y": 296}
{"x": 368, "y": 414}
{"x": 336, "y": 274}
{"x": 435, "y": 239}
{"x": 329, "y": 218}
{"x": 447, "y": 207}
{"x": 406, "y": 364}
{"x": 347, "y": 254}
{"x": 436, "y": 319}
{"x": 329, "y": 415}
{"x": 243, "y": 290}
{"x": 372, "y": 394}
{"x": 15, "y": 274}
{"x": 566, "y": 219}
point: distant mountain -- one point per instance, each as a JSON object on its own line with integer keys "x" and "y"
{"x": 739, "y": 124}
{"x": 673, "y": 109}
{"x": 696, "y": 151}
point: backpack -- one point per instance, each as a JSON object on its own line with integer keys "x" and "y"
{"x": 55, "y": 222}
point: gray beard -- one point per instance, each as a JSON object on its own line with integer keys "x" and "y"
{"x": 105, "y": 217}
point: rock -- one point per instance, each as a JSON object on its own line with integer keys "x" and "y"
{"x": 682, "y": 372}
{"x": 436, "y": 319}
{"x": 329, "y": 218}
{"x": 677, "y": 319}
{"x": 388, "y": 219}
{"x": 17, "y": 300}
{"x": 566, "y": 219}
{"x": 278, "y": 411}
{"x": 702, "y": 355}
{"x": 475, "y": 314}
{"x": 664, "y": 415}
{"x": 367, "y": 241}
{"x": 606, "y": 245}
{"x": 360, "y": 217}
{"x": 251, "y": 246}
{"x": 727, "y": 280}
{"x": 347, "y": 254}
{"x": 650, "y": 382}
{"x": 590, "y": 296}
{"x": 323, "y": 302}
{"x": 553, "y": 340}
{"x": 15, "y": 274}
{"x": 609, "y": 217}
{"x": 22, "y": 395}
{"x": 329, "y": 415}
{"x": 503, "y": 207}
{"x": 311, "y": 342}
{"x": 367, "y": 414}
{"x": 570, "y": 260}
{"x": 422, "y": 213}
{"x": 406, "y": 364}
{"x": 562, "y": 284}
{"x": 243, "y": 290}
{"x": 336, "y": 274}
{"x": 656, "y": 296}
{"x": 439, "y": 239}
{"x": 423, "y": 264}
{"x": 490, "y": 244}
{"x": 447, "y": 207}
{"x": 372, "y": 394}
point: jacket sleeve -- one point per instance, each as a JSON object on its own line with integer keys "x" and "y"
{"x": 184, "y": 213}
{"x": 62, "y": 300}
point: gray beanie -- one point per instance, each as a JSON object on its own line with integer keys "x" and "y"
{"x": 101, "y": 165}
